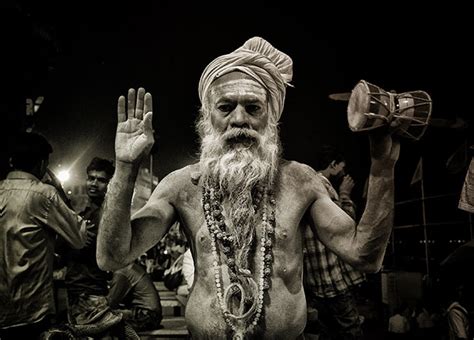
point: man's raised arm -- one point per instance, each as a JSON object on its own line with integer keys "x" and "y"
{"x": 363, "y": 246}
{"x": 133, "y": 141}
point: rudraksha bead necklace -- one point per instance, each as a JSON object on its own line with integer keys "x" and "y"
{"x": 223, "y": 246}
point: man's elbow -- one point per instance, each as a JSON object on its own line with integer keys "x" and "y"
{"x": 107, "y": 263}
{"x": 366, "y": 266}
{"x": 370, "y": 268}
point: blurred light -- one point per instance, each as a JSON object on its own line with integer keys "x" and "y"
{"x": 64, "y": 176}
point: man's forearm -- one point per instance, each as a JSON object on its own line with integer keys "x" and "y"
{"x": 115, "y": 234}
{"x": 375, "y": 226}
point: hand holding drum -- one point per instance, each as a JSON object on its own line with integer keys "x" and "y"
{"x": 370, "y": 107}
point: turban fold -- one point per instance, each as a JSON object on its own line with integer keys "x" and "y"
{"x": 261, "y": 61}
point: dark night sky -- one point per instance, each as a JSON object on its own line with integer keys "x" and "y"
{"x": 164, "y": 46}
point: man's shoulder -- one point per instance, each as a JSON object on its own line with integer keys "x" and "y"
{"x": 183, "y": 174}
{"x": 180, "y": 179}
{"x": 296, "y": 168}
{"x": 299, "y": 173}
{"x": 32, "y": 186}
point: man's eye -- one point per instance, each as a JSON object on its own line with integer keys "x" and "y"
{"x": 100, "y": 180}
{"x": 225, "y": 107}
{"x": 252, "y": 109}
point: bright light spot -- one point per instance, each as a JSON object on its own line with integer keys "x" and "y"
{"x": 64, "y": 176}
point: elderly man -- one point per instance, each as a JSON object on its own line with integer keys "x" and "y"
{"x": 243, "y": 208}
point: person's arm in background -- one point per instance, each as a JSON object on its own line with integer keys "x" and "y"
{"x": 345, "y": 191}
{"x": 119, "y": 288}
{"x": 65, "y": 222}
{"x": 457, "y": 323}
{"x": 51, "y": 179}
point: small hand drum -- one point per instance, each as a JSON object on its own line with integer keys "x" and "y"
{"x": 371, "y": 107}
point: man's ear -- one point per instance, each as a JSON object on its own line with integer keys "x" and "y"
{"x": 333, "y": 164}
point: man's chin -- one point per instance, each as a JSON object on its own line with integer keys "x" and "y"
{"x": 95, "y": 195}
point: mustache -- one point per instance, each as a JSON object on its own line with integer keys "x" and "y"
{"x": 241, "y": 135}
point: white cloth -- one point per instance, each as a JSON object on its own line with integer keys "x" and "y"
{"x": 458, "y": 322}
{"x": 188, "y": 268}
{"x": 398, "y": 324}
{"x": 261, "y": 61}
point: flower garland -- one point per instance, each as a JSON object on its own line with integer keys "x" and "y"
{"x": 241, "y": 281}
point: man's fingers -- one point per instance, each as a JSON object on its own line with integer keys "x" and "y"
{"x": 148, "y": 107}
{"x": 131, "y": 103}
{"x": 140, "y": 103}
{"x": 147, "y": 123}
{"x": 121, "y": 114}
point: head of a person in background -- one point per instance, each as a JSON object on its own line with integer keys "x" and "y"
{"x": 99, "y": 173}
{"x": 30, "y": 153}
{"x": 331, "y": 163}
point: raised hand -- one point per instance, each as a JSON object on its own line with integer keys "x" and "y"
{"x": 134, "y": 138}
{"x": 346, "y": 186}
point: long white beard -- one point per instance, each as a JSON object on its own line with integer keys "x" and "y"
{"x": 236, "y": 169}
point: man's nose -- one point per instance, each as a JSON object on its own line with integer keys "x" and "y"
{"x": 239, "y": 118}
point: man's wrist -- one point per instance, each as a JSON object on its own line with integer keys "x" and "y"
{"x": 382, "y": 168}
{"x": 126, "y": 172}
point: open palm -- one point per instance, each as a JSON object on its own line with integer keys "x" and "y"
{"x": 134, "y": 138}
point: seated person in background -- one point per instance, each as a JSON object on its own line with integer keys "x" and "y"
{"x": 187, "y": 272}
{"x": 86, "y": 283}
{"x": 398, "y": 325}
{"x": 132, "y": 293}
{"x": 188, "y": 268}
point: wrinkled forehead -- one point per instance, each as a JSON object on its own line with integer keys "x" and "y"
{"x": 236, "y": 84}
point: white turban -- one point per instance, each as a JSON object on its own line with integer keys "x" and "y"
{"x": 258, "y": 59}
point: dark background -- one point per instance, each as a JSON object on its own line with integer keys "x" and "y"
{"x": 82, "y": 55}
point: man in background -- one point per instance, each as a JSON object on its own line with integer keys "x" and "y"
{"x": 86, "y": 283}
{"x": 32, "y": 214}
{"x": 329, "y": 281}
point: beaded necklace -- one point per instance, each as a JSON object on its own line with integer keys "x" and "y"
{"x": 242, "y": 287}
